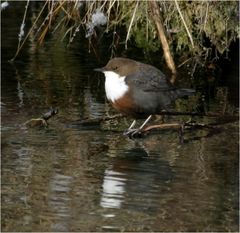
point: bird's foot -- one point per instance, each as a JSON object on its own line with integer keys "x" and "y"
{"x": 133, "y": 133}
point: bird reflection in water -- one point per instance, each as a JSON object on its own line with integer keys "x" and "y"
{"x": 115, "y": 179}
{"x": 135, "y": 180}
{"x": 113, "y": 189}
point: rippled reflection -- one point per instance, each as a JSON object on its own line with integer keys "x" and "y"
{"x": 113, "y": 189}
{"x": 59, "y": 200}
{"x": 135, "y": 181}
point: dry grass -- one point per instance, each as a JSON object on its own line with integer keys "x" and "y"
{"x": 188, "y": 25}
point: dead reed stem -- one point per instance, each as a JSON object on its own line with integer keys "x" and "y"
{"x": 184, "y": 23}
{"x": 162, "y": 36}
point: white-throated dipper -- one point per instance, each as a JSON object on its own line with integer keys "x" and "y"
{"x": 138, "y": 90}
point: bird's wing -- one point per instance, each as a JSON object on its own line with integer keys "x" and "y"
{"x": 149, "y": 78}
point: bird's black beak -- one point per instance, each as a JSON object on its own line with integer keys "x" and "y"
{"x": 99, "y": 69}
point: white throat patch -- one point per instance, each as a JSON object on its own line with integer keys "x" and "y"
{"x": 115, "y": 85}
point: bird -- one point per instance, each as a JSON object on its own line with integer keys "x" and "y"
{"x": 138, "y": 90}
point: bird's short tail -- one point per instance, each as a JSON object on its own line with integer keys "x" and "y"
{"x": 185, "y": 92}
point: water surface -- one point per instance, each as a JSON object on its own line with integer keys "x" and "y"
{"x": 74, "y": 177}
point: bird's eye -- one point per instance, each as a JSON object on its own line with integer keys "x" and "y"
{"x": 115, "y": 68}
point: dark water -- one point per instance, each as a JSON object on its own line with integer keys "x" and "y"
{"x": 73, "y": 177}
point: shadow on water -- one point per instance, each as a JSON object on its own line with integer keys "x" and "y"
{"x": 70, "y": 177}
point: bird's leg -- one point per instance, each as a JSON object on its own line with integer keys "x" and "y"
{"x": 145, "y": 122}
{"x": 130, "y": 129}
{"x": 131, "y": 132}
{"x": 132, "y": 125}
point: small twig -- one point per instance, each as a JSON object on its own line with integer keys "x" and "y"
{"x": 189, "y": 114}
{"x": 186, "y": 125}
{"x": 178, "y": 126}
{"x": 184, "y": 62}
{"x": 184, "y": 23}
{"x": 131, "y": 23}
{"x": 109, "y": 8}
{"x": 190, "y": 125}
{"x": 20, "y": 46}
{"x": 205, "y": 20}
{"x": 21, "y": 33}
{"x": 162, "y": 126}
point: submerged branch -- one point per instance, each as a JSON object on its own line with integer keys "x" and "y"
{"x": 41, "y": 121}
{"x": 98, "y": 120}
{"x": 88, "y": 121}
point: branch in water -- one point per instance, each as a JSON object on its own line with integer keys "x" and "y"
{"x": 41, "y": 121}
{"x": 108, "y": 118}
